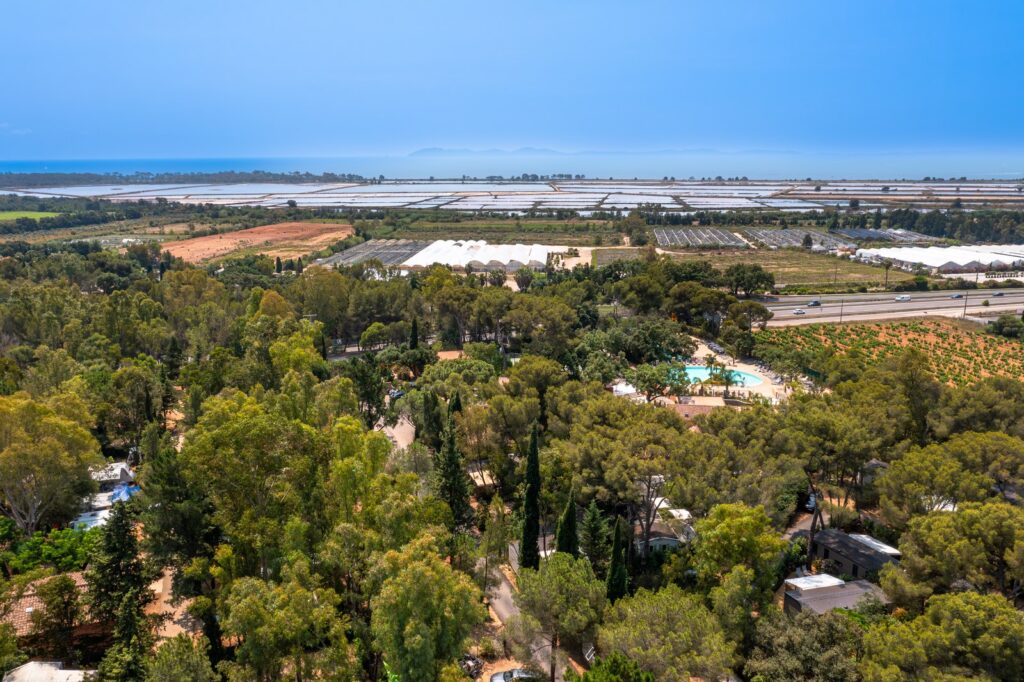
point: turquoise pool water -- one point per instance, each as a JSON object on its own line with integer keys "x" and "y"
{"x": 745, "y": 379}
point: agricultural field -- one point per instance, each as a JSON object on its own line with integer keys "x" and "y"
{"x": 571, "y": 232}
{"x": 791, "y": 267}
{"x": 287, "y": 240}
{"x": 14, "y": 215}
{"x": 959, "y": 352}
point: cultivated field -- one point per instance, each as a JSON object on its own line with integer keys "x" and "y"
{"x": 791, "y": 267}
{"x": 525, "y": 231}
{"x": 959, "y": 352}
{"x": 14, "y": 215}
{"x": 287, "y": 240}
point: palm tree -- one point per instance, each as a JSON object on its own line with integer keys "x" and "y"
{"x": 888, "y": 266}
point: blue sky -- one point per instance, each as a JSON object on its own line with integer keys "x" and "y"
{"x": 224, "y": 78}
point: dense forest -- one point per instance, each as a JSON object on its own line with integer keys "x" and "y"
{"x": 307, "y": 545}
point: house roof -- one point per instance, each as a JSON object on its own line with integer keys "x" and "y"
{"x": 854, "y": 549}
{"x": 20, "y": 615}
{"x": 844, "y": 596}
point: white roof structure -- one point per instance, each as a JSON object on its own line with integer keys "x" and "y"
{"x": 91, "y": 519}
{"x": 481, "y": 255}
{"x": 968, "y": 257}
{"x": 875, "y": 544}
{"x": 115, "y": 471}
{"x": 44, "y": 671}
{"x": 813, "y": 582}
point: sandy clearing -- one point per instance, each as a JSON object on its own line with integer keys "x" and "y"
{"x": 286, "y": 240}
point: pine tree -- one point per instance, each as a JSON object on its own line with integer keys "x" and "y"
{"x": 414, "y": 334}
{"x": 566, "y": 538}
{"x": 125, "y": 660}
{"x": 116, "y": 569}
{"x": 529, "y": 553}
{"x": 451, "y": 483}
{"x": 298, "y": 265}
{"x": 278, "y": 265}
{"x": 594, "y": 538}
{"x": 618, "y": 578}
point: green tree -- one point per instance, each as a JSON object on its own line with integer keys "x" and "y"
{"x": 566, "y": 538}
{"x": 594, "y": 538}
{"x": 669, "y": 633}
{"x": 559, "y": 603}
{"x": 293, "y": 626}
{"x": 529, "y": 551}
{"x": 181, "y": 659}
{"x": 959, "y": 636}
{"x": 53, "y": 626}
{"x": 809, "y": 648}
{"x": 450, "y": 481}
{"x": 612, "y": 668}
{"x": 45, "y": 459}
{"x": 117, "y": 571}
{"x": 737, "y": 535}
{"x": 421, "y": 617}
{"x": 10, "y": 655}
{"x": 617, "y": 582}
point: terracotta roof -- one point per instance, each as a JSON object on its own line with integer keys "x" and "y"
{"x": 20, "y": 615}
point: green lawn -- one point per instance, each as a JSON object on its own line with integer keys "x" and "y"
{"x": 14, "y": 215}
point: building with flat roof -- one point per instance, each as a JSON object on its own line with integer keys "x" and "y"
{"x": 823, "y": 592}
{"x": 857, "y": 555}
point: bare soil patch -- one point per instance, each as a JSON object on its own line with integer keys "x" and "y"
{"x": 287, "y": 240}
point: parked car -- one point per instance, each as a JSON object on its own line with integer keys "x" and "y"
{"x": 514, "y": 674}
{"x": 799, "y": 311}
{"x": 396, "y": 393}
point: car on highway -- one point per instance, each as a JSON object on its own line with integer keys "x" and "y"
{"x": 814, "y": 304}
{"x": 902, "y": 299}
{"x": 799, "y": 311}
{"x": 514, "y": 674}
{"x": 998, "y": 294}
{"x": 956, "y": 295}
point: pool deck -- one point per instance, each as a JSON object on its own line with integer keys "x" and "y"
{"x": 767, "y": 388}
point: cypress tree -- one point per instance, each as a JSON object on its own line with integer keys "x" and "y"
{"x": 298, "y": 265}
{"x": 278, "y": 265}
{"x": 618, "y": 578}
{"x": 566, "y": 539}
{"x": 431, "y": 421}
{"x": 594, "y": 538}
{"x": 451, "y": 482}
{"x": 529, "y": 553}
{"x": 455, "y": 404}
{"x": 414, "y": 334}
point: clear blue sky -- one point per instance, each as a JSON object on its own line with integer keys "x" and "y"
{"x": 253, "y": 78}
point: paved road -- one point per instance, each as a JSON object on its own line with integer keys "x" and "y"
{"x": 883, "y": 306}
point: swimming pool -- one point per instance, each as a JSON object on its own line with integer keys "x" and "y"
{"x": 745, "y": 379}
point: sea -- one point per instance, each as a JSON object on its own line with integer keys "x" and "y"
{"x": 681, "y": 165}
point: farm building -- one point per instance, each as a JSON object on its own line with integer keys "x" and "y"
{"x": 948, "y": 259}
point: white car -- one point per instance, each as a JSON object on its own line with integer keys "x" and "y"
{"x": 512, "y": 675}
{"x": 902, "y": 299}
{"x": 799, "y": 311}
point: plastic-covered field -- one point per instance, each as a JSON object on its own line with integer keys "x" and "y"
{"x": 698, "y": 237}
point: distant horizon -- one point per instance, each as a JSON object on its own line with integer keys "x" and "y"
{"x": 451, "y": 163}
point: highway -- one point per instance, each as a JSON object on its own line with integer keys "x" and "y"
{"x": 884, "y": 306}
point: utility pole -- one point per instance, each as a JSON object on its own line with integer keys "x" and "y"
{"x": 967, "y": 294}
{"x": 842, "y": 304}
